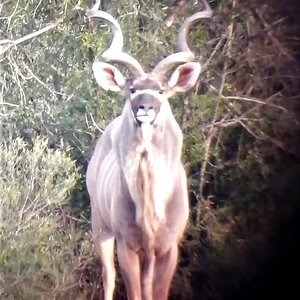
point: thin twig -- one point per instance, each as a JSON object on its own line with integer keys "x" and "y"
{"x": 254, "y": 100}
{"x": 218, "y": 46}
{"x": 9, "y": 104}
{"x": 95, "y": 124}
{"x": 40, "y": 81}
{"x": 264, "y": 137}
{"x": 270, "y": 32}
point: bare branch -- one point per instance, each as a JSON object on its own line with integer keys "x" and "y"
{"x": 218, "y": 46}
{"x": 39, "y": 80}
{"x": 255, "y": 101}
{"x": 11, "y": 43}
{"x": 271, "y": 35}
{"x": 213, "y": 129}
{"x": 95, "y": 124}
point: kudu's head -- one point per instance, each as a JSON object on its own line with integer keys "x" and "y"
{"x": 147, "y": 92}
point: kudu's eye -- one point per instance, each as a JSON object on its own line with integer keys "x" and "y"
{"x": 161, "y": 91}
{"x": 132, "y": 90}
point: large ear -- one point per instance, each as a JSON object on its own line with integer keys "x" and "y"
{"x": 184, "y": 77}
{"x": 108, "y": 77}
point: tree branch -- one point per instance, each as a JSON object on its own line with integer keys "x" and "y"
{"x": 213, "y": 129}
{"x": 11, "y": 43}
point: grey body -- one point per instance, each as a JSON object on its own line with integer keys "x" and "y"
{"x": 135, "y": 179}
{"x": 139, "y": 196}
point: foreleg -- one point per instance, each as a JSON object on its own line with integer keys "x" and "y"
{"x": 130, "y": 269}
{"x": 147, "y": 275}
{"x": 108, "y": 268}
{"x": 164, "y": 269}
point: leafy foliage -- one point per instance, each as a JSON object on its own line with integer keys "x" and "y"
{"x": 241, "y": 147}
{"x": 38, "y": 237}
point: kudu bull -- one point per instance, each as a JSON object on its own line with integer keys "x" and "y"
{"x": 135, "y": 179}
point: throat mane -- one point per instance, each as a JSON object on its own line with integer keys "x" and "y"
{"x": 143, "y": 172}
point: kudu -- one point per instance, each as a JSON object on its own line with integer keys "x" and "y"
{"x": 135, "y": 178}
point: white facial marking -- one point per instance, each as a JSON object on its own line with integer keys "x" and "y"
{"x": 137, "y": 80}
{"x": 154, "y": 93}
{"x": 145, "y": 117}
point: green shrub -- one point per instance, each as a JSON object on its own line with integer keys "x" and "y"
{"x": 40, "y": 247}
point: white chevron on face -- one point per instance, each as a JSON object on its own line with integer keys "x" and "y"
{"x": 145, "y": 116}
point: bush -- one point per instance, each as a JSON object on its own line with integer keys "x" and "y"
{"x": 40, "y": 247}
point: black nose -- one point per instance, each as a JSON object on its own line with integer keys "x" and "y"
{"x": 145, "y": 107}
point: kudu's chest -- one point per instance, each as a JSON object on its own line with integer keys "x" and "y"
{"x": 137, "y": 178}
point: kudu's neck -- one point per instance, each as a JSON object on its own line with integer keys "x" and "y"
{"x": 163, "y": 138}
{"x": 146, "y": 164}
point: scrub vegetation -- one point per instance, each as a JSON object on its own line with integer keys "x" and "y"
{"x": 241, "y": 144}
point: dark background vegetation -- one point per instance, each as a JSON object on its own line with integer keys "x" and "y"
{"x": 241, "y": 147}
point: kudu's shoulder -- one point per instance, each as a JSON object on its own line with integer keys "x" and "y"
{"x": 103, "y": 145}
{"x": 105, "y": 140}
